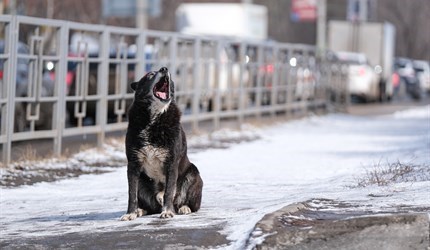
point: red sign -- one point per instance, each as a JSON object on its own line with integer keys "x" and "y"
{"x": 303, "y": 10}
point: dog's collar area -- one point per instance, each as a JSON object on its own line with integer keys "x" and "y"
{"x": 161, "y": 89}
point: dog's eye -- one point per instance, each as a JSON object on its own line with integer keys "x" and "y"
{"x": 150, "y": 75}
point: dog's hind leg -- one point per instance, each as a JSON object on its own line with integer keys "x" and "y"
{"x": 147, "y": 198}
{"x": 189, "y": 192}
{"x": 160, "y": 198}
{"x": 184, "y": 210}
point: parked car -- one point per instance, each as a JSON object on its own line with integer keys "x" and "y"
{"x": 21, "y": 69}
{"x": 298, "y": 73}
{"x": 422, "y": 69}
{"x": 408, "y": 77}
{"x": 86, "y": 113}
{"x": 363, "y": 79}
{"x": 21, "y": 90}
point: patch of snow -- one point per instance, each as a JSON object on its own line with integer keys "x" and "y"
{"x": 414, "y": 113}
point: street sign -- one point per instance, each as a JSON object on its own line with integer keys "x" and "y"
{"x": 303, "y": 10}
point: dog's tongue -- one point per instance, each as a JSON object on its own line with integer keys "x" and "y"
{"x": 161, "y": 94}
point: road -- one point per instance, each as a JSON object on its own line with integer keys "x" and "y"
{"x": 386, "y": 108}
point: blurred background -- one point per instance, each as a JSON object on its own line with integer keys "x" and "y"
{"x": 236, "y": 58}
{"x": 410, "y": 18}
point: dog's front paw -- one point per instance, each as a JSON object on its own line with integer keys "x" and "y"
{"x": 167, "y": 213}
{"x": 184, "y": 210}
{"x": 130, "y": 216}
{"x": 134, "y": 215}
{"x": 141, "y": 212}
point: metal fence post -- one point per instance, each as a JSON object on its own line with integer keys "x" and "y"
{"x": 290, "y": 86}
{"x": 197, "y": 84}
{"x": 275, "y": 80}
{"x": 347, "y": 96}
{"x": 103, "y": 85}
{"x": 173, "y": 55}
{"x": 242, "y": 86}
{"x": 304, "y": 95}
{"x": 60, "y": 120}
{"x": 259, "y": 89}
{"x": 216, "y": 99}
{"x": 11, "y": 48}
{"x": 140, "y": 55}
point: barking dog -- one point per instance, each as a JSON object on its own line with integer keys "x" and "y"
{"x": 161, "y": 179}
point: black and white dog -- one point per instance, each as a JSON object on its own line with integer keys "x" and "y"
{"x": 161, "y": 179}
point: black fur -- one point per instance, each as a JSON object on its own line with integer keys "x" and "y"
{"x": 156, "y": 149}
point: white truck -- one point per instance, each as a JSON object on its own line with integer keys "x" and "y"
{"x": 238, "y": 20}
{"x": 375, "y": 40}
{"x": 230, "y": 21}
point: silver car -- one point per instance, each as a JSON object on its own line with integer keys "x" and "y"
{"x": 22, "y": 89}
{"x": 422, "y": 70}
{"x": 363, "y": 79}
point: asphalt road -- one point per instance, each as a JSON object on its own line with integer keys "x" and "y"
{"x": 154, "y": 239}
{"x": 365, "y": 109}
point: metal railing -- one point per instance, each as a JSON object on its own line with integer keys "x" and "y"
{"x": 60, "y": 78}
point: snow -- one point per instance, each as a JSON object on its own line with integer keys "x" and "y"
{"x": 316, "y": 157}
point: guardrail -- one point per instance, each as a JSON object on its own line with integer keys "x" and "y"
{"x": 61, "y": 79}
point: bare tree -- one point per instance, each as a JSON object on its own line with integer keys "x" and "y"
{"x": 411, "y": 19}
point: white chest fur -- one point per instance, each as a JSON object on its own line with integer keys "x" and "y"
{"x": 152, "y": 160}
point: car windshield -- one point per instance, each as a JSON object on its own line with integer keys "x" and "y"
{"x": 418, "y": 68}
{"x": 351, "y": 58}
{"x": 401, "y": 63}
{"x": 22, "y": 49}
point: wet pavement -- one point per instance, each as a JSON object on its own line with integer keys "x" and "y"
{"x": 140, "y": 239}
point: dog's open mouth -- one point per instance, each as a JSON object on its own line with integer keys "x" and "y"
{"x": 162, "y": 89}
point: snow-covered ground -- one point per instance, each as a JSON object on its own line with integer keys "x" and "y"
{"x": 316, "y": 157}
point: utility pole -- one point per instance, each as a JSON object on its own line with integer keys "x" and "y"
{"x": 50, "y": 9}
{"x": 363, "y": 10}
{"x": 12, "y": 6}
{"x": 321, "y": 26}
{"x": 141, "y": 14}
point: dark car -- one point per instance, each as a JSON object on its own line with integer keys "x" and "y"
{"x": 404, "y": 68}
{"x": 21, "y": 68}
{"x": 85, "y": 114}
{"x": 22, "y": 90}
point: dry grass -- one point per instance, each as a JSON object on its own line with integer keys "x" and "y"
{"x": 118, "y": 141}
{"x": 85, "y": 146}
{"x": 383, "y": 175}
{"x": 29, "y": 154}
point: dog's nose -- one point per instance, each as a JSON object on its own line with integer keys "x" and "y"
{"x": 163, "y": 70}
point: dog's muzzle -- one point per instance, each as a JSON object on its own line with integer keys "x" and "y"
{"x": 161, "y": 88}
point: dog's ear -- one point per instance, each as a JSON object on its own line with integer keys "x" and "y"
{"x": 134, "y": 85}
